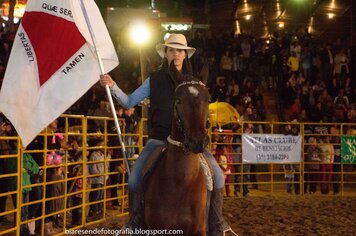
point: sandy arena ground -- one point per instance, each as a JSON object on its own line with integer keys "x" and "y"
{"x": 310, "y": 215}
{"x": 292, "y": 215}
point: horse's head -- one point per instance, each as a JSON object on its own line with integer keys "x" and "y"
{"x": 191, "y": 108}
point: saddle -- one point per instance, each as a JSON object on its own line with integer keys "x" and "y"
{"x": 156, "y": 157}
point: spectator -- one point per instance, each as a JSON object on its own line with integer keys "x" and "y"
{"x": 303, "y": 117}
{"x": 327, "y": 158}
{"x": 257, "y": 97}
{"x": 131, "y": 121}
{"x": 76, "y": 186}
{"x": 222, "y": 159}
{"x": 233, "y": 92}
{"x": 324, "y": 97}
{"x": 228, "y": 151}
{"x": 114, "y": 165}
{"x": 294, "y": 110}
{"x": 306, "y": 63}
{"x": 295, "y": 48}
{"x": 55, "y": 144}
{"x": 304, "y": 98}
{"x": 327, "y": 62}
{"x": 102, "y": 111}
{"x": 247, "y": 115}
{"x": 5, "y": 49}
{"x": 5, "y": 149}
{"x": 97, "y": 168}
{"x": 312, "y": 164}
{"x": 35, "y": 209}
{"x": 341, "y": 99}
{"x": 336, "y": 178}
{"x": 246, "y": 53}
{"x": 317, "y": 114}
{"x": 242, "y": 177}
{"x": 341, "y": 63}
{"x": 289, "y": 176}
{"x": 220, "y": 91}
{"x": 226, "y": 64}
{"x": 248, "y": 88}
{"x": 30, "y": 167}
{"x": 54, "y": 190}
{"x": 293, "y": 63}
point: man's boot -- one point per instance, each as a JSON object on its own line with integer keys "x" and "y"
{"x": 216, "y": 220}
{"x": 135, "y": 211}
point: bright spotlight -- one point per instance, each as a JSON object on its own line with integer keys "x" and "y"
{"x": 281, "y": 25}
{"x": 139, "y": 33}
{"x": 248, "y": 17}
{"x": 331, "y": 15}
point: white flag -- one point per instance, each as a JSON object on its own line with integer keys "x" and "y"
{"x": 52, "y": 63}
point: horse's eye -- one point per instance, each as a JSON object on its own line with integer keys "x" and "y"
{"x": 178, "y": 100}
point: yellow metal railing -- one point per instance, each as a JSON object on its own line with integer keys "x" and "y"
{"x": 77, "y": 133}
{"x": 270, "y": 177}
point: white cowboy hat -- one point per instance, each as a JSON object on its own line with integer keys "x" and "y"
{"x": 177, "y": 41}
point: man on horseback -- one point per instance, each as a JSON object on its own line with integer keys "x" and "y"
{"x": 161, "y": 84}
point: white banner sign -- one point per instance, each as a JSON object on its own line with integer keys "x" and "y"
{"x": 271, "y": 148}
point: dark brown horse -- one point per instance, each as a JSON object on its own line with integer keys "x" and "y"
{"x": 176, "y": 193}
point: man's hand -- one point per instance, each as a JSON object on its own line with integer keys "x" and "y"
{"x": 106, "y": 80}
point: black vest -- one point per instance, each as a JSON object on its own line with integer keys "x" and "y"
{"x": 160, "y": 114}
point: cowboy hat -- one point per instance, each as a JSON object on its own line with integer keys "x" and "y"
{"x": 177, "y": 41}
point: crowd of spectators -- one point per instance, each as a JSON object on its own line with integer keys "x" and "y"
{"x": 308, "y": 74}
{"x": 312, "y": 79}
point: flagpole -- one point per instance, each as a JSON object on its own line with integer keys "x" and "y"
{"x": 106, "y": 87}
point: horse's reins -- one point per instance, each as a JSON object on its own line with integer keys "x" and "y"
{"x": 205, "y": 166}
{"x": 192, "y": 82}
{"x": 174, "y": 142}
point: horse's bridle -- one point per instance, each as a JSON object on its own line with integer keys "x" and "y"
{"x": 176, "y": 113}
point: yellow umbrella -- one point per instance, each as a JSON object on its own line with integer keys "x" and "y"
{"x": 221, "y": 113}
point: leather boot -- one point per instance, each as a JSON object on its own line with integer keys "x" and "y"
{"x": 216, "y": 220}
{"x": 135, "y": 211}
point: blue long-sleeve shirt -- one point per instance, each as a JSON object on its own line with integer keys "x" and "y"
{"x": 128, "y": 101}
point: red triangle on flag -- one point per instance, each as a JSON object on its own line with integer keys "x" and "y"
{"x": 54, "y": 41}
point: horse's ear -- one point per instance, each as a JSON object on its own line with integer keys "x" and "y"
{"x": 177, "y": 76}
{"x": 204, "y": 73}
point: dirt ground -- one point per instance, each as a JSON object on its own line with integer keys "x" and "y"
{"x": 292, "y": 215}
{"x": 285, "y": 215}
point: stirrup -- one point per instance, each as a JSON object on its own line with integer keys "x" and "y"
{"x": 230, "y": 230}
{"x": 227, "y": 228}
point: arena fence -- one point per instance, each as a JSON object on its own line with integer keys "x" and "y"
{"x": 62, "y": 193}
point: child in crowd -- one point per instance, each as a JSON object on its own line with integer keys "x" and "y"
{"x": 289, "y": 175}
{"x": 76, "y": 186}
{"x": 97, "y": 168}
{"x": 56, "y": 145}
